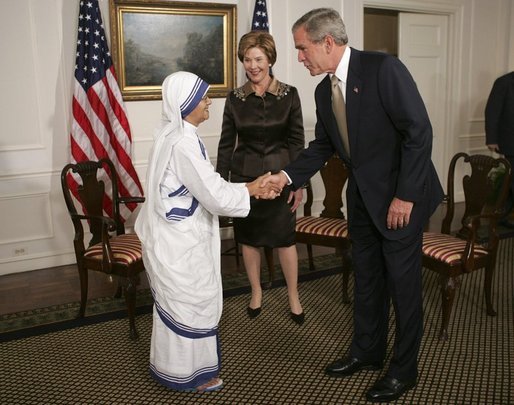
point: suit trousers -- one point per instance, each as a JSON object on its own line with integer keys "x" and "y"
{"x": 386, "y": 271}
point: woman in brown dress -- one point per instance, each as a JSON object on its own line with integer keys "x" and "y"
{"x": 263, "y": 131}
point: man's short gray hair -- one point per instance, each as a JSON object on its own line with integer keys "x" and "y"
{"x": 320, "y": 22}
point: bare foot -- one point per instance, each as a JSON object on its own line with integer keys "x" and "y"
{"x": 211, "y": 385}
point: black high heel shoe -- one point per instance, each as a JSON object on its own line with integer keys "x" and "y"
{"x": 298, "y": 318}
{"x": 253, "y": 312}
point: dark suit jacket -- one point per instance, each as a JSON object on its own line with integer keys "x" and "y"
{"x": 260, "y": 134}
{"x": 390, "y": 141}
{"x": 499, "y": 114}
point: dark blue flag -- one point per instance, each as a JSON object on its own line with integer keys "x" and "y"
{"x": 260, "y": 16}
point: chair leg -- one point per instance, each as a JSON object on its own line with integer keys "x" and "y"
{"x": 311, "y": 257}
{"x": 129, "y": 290}
{"x": 268, "y": 252}
{"x": 448, "y": 286}
{"x": 83, "y": 277}
{"x": 347, "y": 269}
{"x": 488, "y": 284}
{"x": 236, "y": 252}
{"x": 119, "y": 291}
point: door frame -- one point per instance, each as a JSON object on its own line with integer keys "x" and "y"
{"x": 455, "y": 21}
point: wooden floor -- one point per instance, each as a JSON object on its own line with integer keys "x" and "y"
{"x": 59, "y": 285}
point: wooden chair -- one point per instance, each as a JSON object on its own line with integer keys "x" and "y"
{"x": 110, "y": 249}
{"x": 330, "y": 228}
{"x": 227, "y": 222}
{"x": 474, "y": 245}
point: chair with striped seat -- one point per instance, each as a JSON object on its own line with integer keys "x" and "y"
{"x": 330, "y": 228}
{"x": 110, "y": 249}
{"x": 485, "y": 182}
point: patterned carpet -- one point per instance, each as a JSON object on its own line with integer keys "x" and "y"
{"x": 57, "y": 317}
{"x": 271, "y": 360}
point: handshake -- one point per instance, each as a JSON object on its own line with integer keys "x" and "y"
{"x": 268, "y": 186}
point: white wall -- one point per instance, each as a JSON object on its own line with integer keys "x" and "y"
{"x": 37, "y": 44}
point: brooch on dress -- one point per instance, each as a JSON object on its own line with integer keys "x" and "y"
{"x": 283, "y": 89}
{"x": 239, "y": 93}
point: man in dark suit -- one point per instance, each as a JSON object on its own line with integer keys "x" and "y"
{"x": 392, "y": 191}
{"x": 499, "y": 129}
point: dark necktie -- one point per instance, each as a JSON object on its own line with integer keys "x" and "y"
{"x": 339, "y": 109}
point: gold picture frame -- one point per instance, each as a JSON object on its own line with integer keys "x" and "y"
{"x": 151, "y": 39}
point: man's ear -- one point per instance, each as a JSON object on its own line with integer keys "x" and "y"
{"x": 328, "y": 43}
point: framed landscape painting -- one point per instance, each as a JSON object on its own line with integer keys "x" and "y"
{"x": 151, "y": 39}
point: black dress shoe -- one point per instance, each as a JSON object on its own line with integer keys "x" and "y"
{"x": 298, "y": 318}
{"x": 253, "y": 312}
{"x": 349, "y": 365}
{"x": 388, "y": 389}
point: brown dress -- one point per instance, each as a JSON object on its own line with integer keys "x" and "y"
{"x": 262, "y": 134}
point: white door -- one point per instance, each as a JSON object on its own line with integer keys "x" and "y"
{"x": 423, "y": 48}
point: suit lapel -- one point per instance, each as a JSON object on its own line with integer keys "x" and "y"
{"x": 353, "y": 101}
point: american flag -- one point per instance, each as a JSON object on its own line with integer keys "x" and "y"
{"x": 260, "y": 16}
{"x": 100, "y": 128}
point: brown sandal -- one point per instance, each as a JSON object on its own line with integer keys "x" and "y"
{"x": 214, "y": 384}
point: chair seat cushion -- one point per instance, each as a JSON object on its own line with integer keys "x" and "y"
{"x": 126, "y": 249}
{"x": 447, "y": 248}
{"x": 335, "y": 227}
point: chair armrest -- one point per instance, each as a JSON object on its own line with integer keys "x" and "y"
{"x": 472, "y": 224}
{"x": 107, "y": 255}
{"x": 225, "y": 222}
{"x": 109, "y": 222}
{"x": 127, "y": 200}
{"x": 307, "y": 206}
{"x": 493, "y": 238}
{"x": 107, "y": 225}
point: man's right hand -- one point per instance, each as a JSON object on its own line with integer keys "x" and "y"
{"x": 279, "y": 179}
{"x": 260, "y": 188}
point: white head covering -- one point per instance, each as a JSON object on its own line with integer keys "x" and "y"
{"x": 181, "y": 93}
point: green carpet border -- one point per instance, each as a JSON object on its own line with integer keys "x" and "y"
{"x": 56, "y": 326}
{"x": 70, "y": 324}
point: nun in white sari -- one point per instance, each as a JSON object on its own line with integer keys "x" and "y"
{"x": 178, "y": 227}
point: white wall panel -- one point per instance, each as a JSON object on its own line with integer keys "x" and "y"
{"x": 29, "y": 218}
{"x": 18, "y": 78}
{"x": 36, "y": 230}
{"x": 482, "y": 59}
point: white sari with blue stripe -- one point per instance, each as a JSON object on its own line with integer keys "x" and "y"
{"x": 181, "y": 248}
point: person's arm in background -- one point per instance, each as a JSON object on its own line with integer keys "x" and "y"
{"x": 493, "y": 111}
{"x": 296, "y": 142}
{"x": 227, "y": 141}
